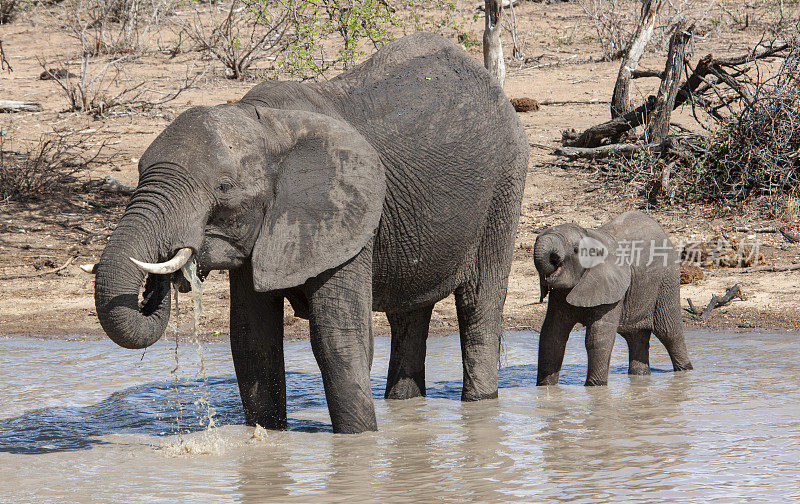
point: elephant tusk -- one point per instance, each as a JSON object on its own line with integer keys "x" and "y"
{"x": 165, "y": 268}
{"x": 89, "y": 268}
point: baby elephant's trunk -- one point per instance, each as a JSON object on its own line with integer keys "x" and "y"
{"x": 548, "y": 253}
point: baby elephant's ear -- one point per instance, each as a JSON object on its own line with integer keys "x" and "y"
{"x": 327, "y": 204}
{"x": 604, "y": 283}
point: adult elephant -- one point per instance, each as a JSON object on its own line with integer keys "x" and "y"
{"x": 386, "y": 188}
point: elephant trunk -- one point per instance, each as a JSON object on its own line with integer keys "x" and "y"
{"x": 548, "y": 254}
{"x": 117, "y": 285}
{"x": 161, "y": 219}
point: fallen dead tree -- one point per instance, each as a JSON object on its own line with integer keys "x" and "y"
{"x": 752, "y": 144}
{"x": 603, "y": 151}
{"x": 731, "y": 293}
{"x": 772, "y": 268}
{"x": 697, "y": 86}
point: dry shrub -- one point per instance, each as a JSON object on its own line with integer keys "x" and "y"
{"x": 305, "y": 39}
{"x": 7, "y": 11}
{"x": 753, "y": 152}
{"x": 614, "y": 22}
{"x": 756, "y": 151}
{"x": 49, "y": 167}
{"x": 239, "y": 34}
{"x": 114, "y": 26}
{"x": 98, "y": 88}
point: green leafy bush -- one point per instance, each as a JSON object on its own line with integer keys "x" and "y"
{"x": 324, "y": 34}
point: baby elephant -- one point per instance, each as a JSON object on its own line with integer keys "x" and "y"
{"x": 622, "y": 278}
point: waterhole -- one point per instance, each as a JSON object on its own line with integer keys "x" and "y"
{"x": 89, "y": 422}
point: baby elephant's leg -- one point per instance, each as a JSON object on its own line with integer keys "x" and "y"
{"x": 600, "y": 335}
{"x": 638, "y": 352}
{"x": 671, "y": 336}
{"x": 552, "y": 342}
{"x": 668, "y": 324}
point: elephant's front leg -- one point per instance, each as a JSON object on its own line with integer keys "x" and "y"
{"x": 341, "y": 338}
{"x": 406, "y": 377}
{"x": 553, "y": 340}
{"x": 601, "y": 331}
{"x": 257, "y": 348}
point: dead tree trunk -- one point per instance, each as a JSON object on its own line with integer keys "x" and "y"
{"x": 658, "y": 123}
{"x": 492, "y": 47}
{"x": 621, "y": 100}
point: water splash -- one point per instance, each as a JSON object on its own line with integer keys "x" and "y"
{"x": 207, "y": 442}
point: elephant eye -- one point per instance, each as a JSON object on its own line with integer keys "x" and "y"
{"x": 224, "y": 187}
{"x": 575, "y": 250}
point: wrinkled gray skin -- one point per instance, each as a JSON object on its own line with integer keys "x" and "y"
{"x": 387, "y": 188}
{"x": 623, "y": 296}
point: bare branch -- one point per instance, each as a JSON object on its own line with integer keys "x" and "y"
{"x": 716, "y": 301}
{"x": 41, "y": 273}
{"x": 4, "y": 64}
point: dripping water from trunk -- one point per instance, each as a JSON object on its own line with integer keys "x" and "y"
{"x": 209, "y": 442}
{"x": 189, "y": 271}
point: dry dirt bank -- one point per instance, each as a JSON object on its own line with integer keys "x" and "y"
{"x": 38, "y": 237}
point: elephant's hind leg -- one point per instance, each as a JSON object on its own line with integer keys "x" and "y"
{"x": 406, "y": 377}
{"x": 638, "y": 352}
{"x": 340, "y": 320}
{"x": 257, "y": 348}
{"x": 479, "y": 300}
{"x": 668, "y": 324}
{"x": 479, "y": 316}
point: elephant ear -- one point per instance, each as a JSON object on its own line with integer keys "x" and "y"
{"x": 605, "y": 283}
{"x": 328, "y": 199}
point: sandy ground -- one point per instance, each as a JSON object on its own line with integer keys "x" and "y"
{"x": 37, "y": 237}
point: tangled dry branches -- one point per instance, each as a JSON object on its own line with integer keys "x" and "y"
{"x": 49, "y": 166}
{"x": 753, "y": 142}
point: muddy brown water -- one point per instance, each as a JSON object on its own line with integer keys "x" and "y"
{"x": 92, "y": 422}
